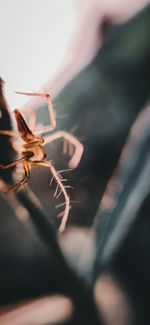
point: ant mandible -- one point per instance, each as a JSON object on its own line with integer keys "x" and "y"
{"x": 33, "y": 153}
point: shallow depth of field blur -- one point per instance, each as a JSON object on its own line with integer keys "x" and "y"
{"x": 34, "y": 38}
{"x": 93, "y": 58}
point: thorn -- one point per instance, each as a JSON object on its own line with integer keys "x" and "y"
{"x": 60, "y": 215}
{"x": 60, "y": 205}
{"x": 58, "y": 194}
{"x": 60, "y": 176}
{"x": 64, "y": 170}
{"x": 68, "y": 186}
{"x": 51, "y": 181}
{"x": 55, "y": 193}
{"x": 74, "y": 201}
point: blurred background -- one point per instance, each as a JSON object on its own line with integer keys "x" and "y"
{"x": 93, "y": 57}
{"x": 34, "y": 38}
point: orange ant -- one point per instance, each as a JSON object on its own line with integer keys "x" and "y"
{"x": 33, "y": 153}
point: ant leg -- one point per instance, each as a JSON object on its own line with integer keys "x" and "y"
{"x": 10, "y": 133}
{"x": 22, "y": 160}
{"x": 15, "y": 187}
{"x": 44, "y": 129}
{"x": 13, "y": 163}
{"x": 74, "y": 161}
{"x": 57, "y": 178}
{"x": 24, "y": 180}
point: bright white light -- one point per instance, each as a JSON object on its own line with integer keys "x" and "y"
{"x": 34, "y": 36}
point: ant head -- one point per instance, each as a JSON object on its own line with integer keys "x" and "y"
{"x": 39, "y": 140}
{"x": 25, "y": 133}
{"x": 23, "y": 128}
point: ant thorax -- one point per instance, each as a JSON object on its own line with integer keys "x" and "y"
{"x": 32, "y": 145}
{"x": 38, "y": 152}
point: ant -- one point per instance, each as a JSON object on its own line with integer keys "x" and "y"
{"x": 31, "y": 148}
